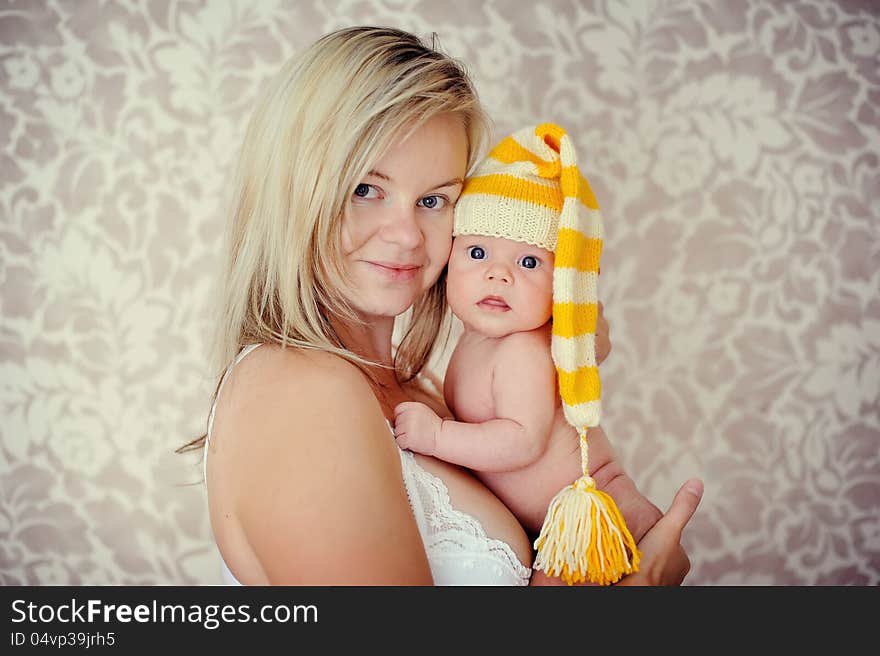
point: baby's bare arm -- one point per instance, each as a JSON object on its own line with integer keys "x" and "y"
{"x": 523, "y": 397}
{"x": 494, "y": 445}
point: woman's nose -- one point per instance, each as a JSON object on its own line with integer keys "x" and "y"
{"x": 402, "y": 228}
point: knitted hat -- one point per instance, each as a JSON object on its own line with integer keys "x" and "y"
{"x": 530, "y": 189}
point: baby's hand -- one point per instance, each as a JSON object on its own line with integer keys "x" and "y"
{"x": 416, "y": 427}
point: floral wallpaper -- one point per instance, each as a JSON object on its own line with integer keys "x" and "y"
{"x": 734, "y": 147}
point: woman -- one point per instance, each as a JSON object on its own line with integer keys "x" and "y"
{"x": 342, "y": 220}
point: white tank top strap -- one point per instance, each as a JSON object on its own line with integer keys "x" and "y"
{"x": 238, "y": 358}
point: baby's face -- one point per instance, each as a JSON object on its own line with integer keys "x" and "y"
{"x": 498, "y": 286}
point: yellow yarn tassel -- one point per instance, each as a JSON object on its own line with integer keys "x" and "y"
{"x": 584, "y": 536}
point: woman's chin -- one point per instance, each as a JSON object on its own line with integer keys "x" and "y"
{"x": 383, "y": 308}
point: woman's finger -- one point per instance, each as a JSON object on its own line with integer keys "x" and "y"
{"x": 683, "y": 505}
{"x": 603, "y": 336}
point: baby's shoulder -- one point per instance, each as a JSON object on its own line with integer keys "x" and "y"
{"x": 528, "y": 344}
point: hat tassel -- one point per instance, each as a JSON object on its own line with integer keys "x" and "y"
{"x": 584, "y": 536}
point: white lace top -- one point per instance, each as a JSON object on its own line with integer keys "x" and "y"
{"x": 458, "y": 549}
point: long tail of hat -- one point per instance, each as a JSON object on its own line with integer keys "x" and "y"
{"x": 575, "y": 296}
{"x": 584, "y": 536}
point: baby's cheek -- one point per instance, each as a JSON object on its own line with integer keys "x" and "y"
{"x": 548, "y": 307}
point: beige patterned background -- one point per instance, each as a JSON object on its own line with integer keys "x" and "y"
{"x": 734, "y": 147}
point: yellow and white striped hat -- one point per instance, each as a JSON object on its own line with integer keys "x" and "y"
{"x": 529, "y": 189}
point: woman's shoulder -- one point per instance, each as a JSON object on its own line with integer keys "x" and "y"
{"x": 271, "y": 371}
{"x": 282, "y": 393}
{"x": 288, "y": 405}
{"x": 289, "y": 359}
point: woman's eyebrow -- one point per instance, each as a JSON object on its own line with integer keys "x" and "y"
{"x": 378, "y": 174}
{"x": 449, "y": 183}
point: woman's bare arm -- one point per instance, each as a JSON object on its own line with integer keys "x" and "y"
{"x": 638, "y": 511}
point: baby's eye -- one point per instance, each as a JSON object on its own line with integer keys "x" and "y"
{"x": 364, "y": 190}
{"x": 433, "y": 202}
{"x": 529, "y": 262}
{"x": 476, "y": 253}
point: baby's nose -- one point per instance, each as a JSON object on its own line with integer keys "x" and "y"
{"x": 498, "y": 273}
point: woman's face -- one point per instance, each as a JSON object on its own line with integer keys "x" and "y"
{"x": 397, "y": 236}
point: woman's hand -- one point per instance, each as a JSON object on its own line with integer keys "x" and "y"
{"x": 603, "y": 336}
{"x": 664, "y": 561}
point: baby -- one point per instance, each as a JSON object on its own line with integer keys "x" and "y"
{"x": 522, "y": 381}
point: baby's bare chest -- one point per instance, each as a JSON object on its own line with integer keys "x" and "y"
{"x": 468, "y": 384}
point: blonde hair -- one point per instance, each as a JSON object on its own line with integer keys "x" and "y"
{"x": 326, "y": 118}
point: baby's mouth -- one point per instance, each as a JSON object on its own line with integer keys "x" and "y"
{"x": 494, "y": 304}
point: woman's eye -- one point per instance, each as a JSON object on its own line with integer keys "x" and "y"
{"x": 363, "y": 190}
{"x": 529, "y": 262}
{"x": 476, "y": 253}
{"x": 433, "y": 202}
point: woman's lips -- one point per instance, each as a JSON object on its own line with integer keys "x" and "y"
{"x": 396, "y": 272}
{"x": 494, "y": 304}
